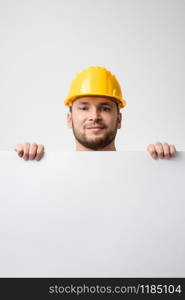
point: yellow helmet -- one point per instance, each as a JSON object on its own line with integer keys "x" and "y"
{"x": 95, "y": 81}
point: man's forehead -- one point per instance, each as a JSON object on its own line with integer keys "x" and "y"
{"x": 93, "y": 100}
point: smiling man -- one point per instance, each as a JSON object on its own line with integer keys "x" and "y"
{"x": 94, "y": 101}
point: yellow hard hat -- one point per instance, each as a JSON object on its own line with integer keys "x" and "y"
{"x": 95, "y": 81}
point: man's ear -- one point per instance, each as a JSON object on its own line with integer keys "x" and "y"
{"x": 69, "y": 119}
{"x": 119, "y": 120}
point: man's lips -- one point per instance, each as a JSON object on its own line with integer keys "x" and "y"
{"x": 96, "y": 128}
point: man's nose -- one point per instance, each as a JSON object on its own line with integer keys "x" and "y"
{"x": 94, "y": 114}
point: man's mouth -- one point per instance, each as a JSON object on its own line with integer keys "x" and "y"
{"x": 95, "y": 128}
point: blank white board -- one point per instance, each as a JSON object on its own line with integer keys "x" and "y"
{"x": 92, "y": 214}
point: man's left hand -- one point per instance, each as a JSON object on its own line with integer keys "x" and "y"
{"x": 161, "y": 150}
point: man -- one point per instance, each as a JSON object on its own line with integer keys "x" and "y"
{"x": 94, "y": 100}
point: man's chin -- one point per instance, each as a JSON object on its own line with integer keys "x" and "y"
{"x": 93, "y": 146}
{"x": 94, "y": 143}
{"x": 95, "y": 133}
{"x": 95, "y": 140}
{"x": 95, "y": 137}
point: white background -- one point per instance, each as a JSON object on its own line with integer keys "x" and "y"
{"x": 44, "y": 44}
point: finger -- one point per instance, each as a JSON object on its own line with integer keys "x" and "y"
{"x": 40, "y": 152}
{"x": 166, "y": 148}
{"x": 159, "y": 149}
{"x": 19, "y": 149}
{"x": 172, "y": 151}
{"x": 33, "y": 151}
{"x": 151, "y": 150}
{"x": 26, "y": 151}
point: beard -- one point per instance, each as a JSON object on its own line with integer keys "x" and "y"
{"x": 96, "y": 142}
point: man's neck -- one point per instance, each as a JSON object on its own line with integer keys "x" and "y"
{"x": 110, "y": 147}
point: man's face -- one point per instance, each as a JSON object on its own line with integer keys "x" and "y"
{"x": 94, "y": 121}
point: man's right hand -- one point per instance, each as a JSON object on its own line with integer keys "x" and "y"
{"x": 30, "y": 151}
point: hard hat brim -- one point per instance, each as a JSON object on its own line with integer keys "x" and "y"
{"x": 121, "y": 102}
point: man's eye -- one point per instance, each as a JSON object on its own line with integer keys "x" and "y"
{"x": 106, "y": 108}
{"x": 83, "y": 108}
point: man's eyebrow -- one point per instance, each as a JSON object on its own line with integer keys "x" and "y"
{"x": 102, "y": 103}
{"x": 83, "y": 103}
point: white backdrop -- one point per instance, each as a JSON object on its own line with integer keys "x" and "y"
{"x": 43, "y": 44}
{"x": 92, "y": 214}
